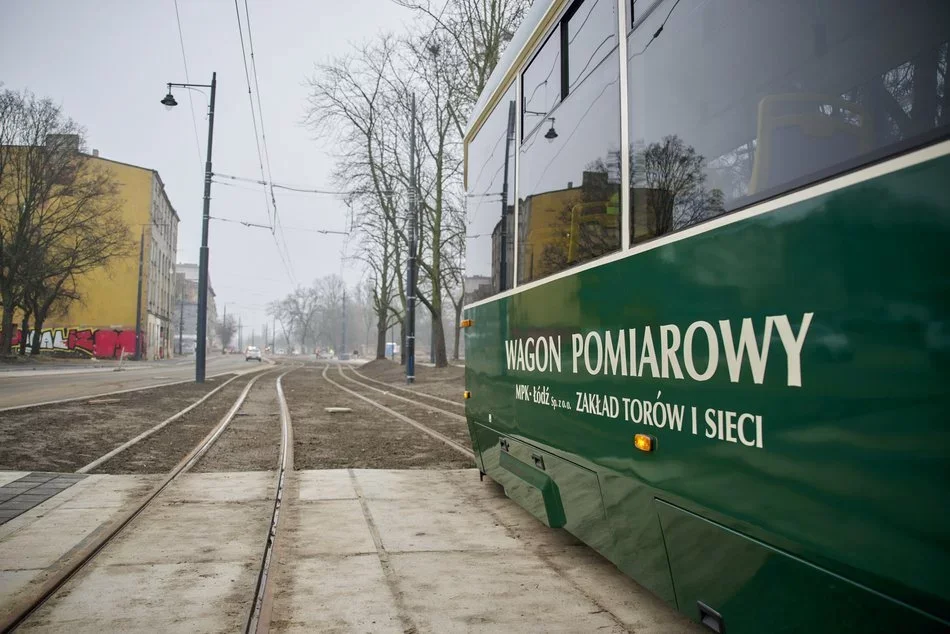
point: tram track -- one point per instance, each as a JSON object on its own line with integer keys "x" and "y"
{"x": 424, "y": 395}
{"x": 67, "y": 567}
{"x": 415, "y": 409}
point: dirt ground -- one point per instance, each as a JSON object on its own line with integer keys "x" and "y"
{"x": 432, "y": 416}
{"x": 252, "y": 440}
{"x": 164, "y": 449}
{"x": 66, "y": 436}
{"x": 442, "y": 382}
{"x": 365, "y": 438}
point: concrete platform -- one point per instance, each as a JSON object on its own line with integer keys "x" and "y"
{"x": 362, "y": 551}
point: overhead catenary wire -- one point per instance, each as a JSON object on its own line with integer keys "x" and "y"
{"x": 279, "y": 240}
{"x": 191, "y": 103}
{"x": 303, "y": 190}
{"x": 260, "y": 108}
{"x": 250, "y": 99}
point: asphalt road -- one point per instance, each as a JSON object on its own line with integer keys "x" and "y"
{"x": 29, "y": 386}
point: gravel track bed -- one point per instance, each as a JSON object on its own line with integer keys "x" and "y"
{"x": 442, "y": 382}
{"x": 365, "y": 438}
{"x": 421, "y": 412}
{"x": 67, "y": 436}
{"x": 163, "y": 450}
{"x": 252, "y": 440}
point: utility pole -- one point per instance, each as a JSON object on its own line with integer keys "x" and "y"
{"x": 138, "y": 300}
{"x": 411, "y": 273}
{"x": 181, "y": 320}
{"x": 273, "y": 334}
{"x": 343, "y": 340}
{"x": 240, "y": 334}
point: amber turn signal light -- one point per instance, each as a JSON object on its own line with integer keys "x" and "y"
{"x": 644, "y": 442}
{"x": 466, "y": 394}
{"x": 465, "y": 323}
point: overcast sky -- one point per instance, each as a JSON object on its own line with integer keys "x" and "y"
{"x": 107, "y": 62}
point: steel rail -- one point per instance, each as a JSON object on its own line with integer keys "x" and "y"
{"x": 448, "y": 441}
{"x": 68, "y": 566}
{"x": 402, "y": 389}
{"x": 148, "y": 432}
{"x": 262, "y": 607}
{"x": 454, "y": 415}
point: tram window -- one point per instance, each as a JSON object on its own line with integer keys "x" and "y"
{"x": 490, "y": 235}
{"x": 541, "y": 85}
{"x": 591, "y": 35}
{"x": 734, "y": 101}
{"x": 569, "y": 177}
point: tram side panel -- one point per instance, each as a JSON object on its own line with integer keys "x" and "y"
{"x": 790, "y": 368}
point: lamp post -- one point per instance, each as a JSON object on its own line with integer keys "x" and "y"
{"x": 202, "y": 338}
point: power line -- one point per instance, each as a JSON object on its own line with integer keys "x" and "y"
{"x": 260, "y": 109}
{"x": 255, "y": 225}
{"x": 184, "y": 59}
{"x": 282, "y": 251}
{"x": 250, "y": 98}
{"x": 303, "y": 190}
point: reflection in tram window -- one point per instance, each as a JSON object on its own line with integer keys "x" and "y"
{"x": 734, "y": 101}
{"x": 489, "y": 242}
{"x": 569, "y": 172}
{"x": 541, "y": 85}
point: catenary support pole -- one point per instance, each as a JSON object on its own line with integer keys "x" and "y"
{"x": 411, "y": 274}
{"x": 200, "y": 343}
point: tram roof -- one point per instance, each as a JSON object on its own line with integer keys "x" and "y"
{"x": 540, "y": 14}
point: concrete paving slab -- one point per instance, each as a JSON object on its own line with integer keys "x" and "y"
{"x": 415, "y": 484}
{"x": 455, "y": 555}
{"x": 245, "y": 486}
{"x": 335, "y": 594}
{"x": 494, "y": 592}
{"x": 436, "y": 523}
{"x": 9, "y": 476}
{"x": 633, "y": 605}
{"x": 208, "y": 597}
{"x": 329, "y": 484}
{"x": 47, "y": 538}
{"x": 175, "y": 532}
{"x": 12, "y": 582}
{"x": 342, "y": 530}
{"x": 109, "y": 491}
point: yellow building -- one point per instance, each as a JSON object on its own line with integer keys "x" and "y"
{"x": 103, "y": 322}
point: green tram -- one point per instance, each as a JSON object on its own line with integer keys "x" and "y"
{"x": 708, "y": 302}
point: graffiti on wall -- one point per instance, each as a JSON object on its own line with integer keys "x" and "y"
{"x": 102, "y": 343}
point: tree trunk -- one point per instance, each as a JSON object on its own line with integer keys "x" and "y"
{"x": 402, "y": 339}
{"x": 381, "y": 334}
{"x": 6, "y": 327}
{"x": 458, "y": 330}
{"x": 24, "y": 326}
{"x": 38, "y": 320}
{"x": 441, "y": 358}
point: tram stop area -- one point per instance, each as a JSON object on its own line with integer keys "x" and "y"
{"x": 359, "y": 551}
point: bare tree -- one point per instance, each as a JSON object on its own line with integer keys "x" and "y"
{"x": 363, "y": 101}
{"x": 474, "y": 33}
{"x": 59, "y": 213}
{"x": 225, "y": 330}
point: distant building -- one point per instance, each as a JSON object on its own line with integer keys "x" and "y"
{"x": 185, "y": 320}
{"x": 103, "y": 323}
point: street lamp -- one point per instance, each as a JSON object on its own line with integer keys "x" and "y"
{"x": 202, "y": 339}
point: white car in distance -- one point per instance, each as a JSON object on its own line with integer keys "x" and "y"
{"x": 252, "y": 352}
